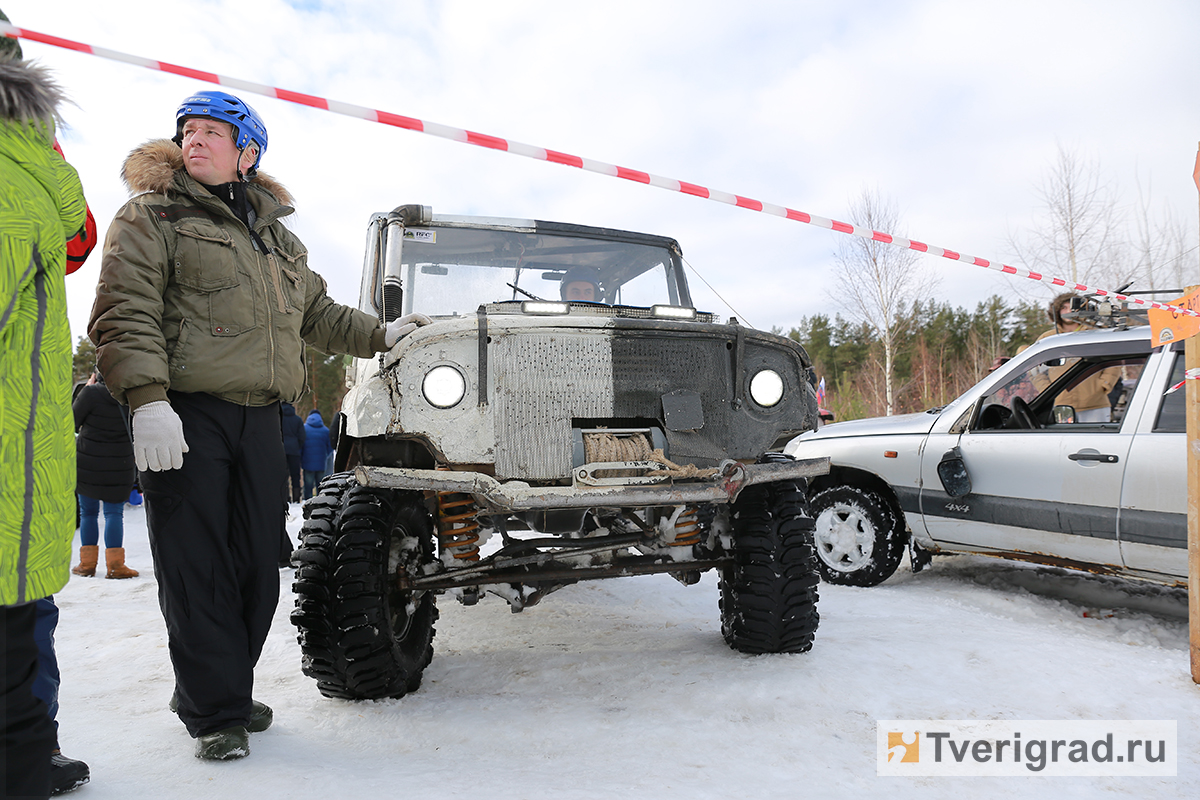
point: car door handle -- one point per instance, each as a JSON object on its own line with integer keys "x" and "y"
{"x": 1103, "y": 458}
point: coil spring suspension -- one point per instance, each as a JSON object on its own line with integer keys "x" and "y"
{"x": 687, "y": 528}
{"x": 458, "y": 530}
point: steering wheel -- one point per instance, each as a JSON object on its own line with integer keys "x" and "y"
{"x": 1022, "y": 415}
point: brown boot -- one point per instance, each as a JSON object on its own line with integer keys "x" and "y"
{"x": 88, "y": 554}
{"x": 115, "y": 558}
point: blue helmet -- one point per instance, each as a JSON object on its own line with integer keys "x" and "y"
{"x": 247, "y": 125}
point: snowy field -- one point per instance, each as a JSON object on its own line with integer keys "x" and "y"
{"x": 625, "y": 689}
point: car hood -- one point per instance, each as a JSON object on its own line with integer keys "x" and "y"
{"x": 901, "y": 424}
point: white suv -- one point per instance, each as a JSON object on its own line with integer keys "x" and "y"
{"x": 1009, "y": 470}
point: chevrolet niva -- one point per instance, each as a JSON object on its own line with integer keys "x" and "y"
{"x": 1071, "y": 454}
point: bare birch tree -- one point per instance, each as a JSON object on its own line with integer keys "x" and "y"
{"x": 1164, "y": 249}
{"x": 1079, "y": 233}
{"x": 1162, "y": 244}
{"x": 1179, "y": 254}
{"x": 876, "y": 282}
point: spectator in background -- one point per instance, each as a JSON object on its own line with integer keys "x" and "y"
{"x": 333, "y": 438}
{"x": 105, "y": 475}
{"x": 316, "y": 450}
{"x": 332, "y": 444}
{"x": 293, "y": 446}
{"x": 41, "y": 207}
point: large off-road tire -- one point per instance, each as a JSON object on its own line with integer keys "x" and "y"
{"x": 769, "y": 593}
{"x": 362, "y": 637}
{"x": 859, "y": 537}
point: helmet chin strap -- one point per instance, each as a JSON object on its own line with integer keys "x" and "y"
{"x": 250, "y": 171}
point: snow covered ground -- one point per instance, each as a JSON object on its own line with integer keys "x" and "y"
{"x": 625, "y": 689}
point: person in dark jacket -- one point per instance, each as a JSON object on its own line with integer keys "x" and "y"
{"x": 316, "y": 450}
{"x": 104, "y": 475}
{"x": 293, "y": 445}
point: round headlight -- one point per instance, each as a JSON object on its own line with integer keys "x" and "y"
{"x": 766, "y": 388}
{"x": 444, "y": 386}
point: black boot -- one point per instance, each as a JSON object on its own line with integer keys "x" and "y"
{"x": 66, "y": 774}
{"x": 224, "y": 745}
{"x": 261, "y": 715}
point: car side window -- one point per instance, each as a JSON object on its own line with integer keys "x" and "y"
{"x": 1065, "y": 390}
{"x": 1172, "y": 414}
{"x": 1100, "y": 393}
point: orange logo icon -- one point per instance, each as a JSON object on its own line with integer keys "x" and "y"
{"x": 904, "y": 747}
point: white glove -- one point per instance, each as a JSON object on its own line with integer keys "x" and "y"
{"x": 397, "y": 329}
{"x": 158, "y": 437}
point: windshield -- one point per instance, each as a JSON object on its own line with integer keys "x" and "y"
{"x": 449, "y": 271}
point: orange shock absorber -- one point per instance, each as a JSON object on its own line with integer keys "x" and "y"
{"x": 458, "y": 530}
{"x": 687, "y": 528}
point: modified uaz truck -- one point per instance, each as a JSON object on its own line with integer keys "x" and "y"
{"x": 569, "y": 415}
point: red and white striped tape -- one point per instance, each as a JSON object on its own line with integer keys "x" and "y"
{"x": 1189, "y": 375}
{"x": 556, "y": 157}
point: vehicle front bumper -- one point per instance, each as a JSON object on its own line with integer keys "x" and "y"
{"x": 511, "y": 496}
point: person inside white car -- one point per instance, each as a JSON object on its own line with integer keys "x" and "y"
{"x": 1090, "y": 396}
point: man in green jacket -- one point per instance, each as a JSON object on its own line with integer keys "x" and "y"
{"x": 41, "y": 207}
{"x": 204, "y": 304}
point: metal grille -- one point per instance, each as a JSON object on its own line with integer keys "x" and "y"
{"x": 648, "y": 367}
{"x": 539, "y": 382}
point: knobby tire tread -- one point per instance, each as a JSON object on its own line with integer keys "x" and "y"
{"x": 356, "y": 640}
{"x": 769, "y": 595}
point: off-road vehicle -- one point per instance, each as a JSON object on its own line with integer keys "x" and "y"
{"x": 524, "y": 442}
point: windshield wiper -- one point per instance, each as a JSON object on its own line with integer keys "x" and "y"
{"x": 530, "y": 295}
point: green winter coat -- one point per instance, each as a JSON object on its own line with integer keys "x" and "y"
{"x": 186, "y": 301}
{"x": 41, "y": 207}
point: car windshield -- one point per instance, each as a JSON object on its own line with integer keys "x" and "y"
{"x": 451, "y": 271}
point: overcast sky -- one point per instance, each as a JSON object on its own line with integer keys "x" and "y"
{"x": 954, "y": 110}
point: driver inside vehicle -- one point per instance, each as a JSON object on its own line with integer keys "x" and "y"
{"x": 581, "y": 285}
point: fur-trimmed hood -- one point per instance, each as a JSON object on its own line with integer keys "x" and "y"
{"x": 151, "y": 167}
{"x": 28, "y": 93}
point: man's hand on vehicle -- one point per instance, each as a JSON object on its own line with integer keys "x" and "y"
{"x": 397, "y": 329}
{"x": 158, "y": 442}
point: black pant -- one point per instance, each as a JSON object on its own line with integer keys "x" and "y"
{"x": 28, "y": 732}
{"x": 293, "y": 465}
{"x": 214, "y": 533}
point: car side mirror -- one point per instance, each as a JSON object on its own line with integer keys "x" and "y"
{"x": 952, "y": 471}
{"x": 1064, "y": 414}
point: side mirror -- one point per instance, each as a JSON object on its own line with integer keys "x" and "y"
{"x": 952, "y": 471}
{"x": 1064, "y": 414}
